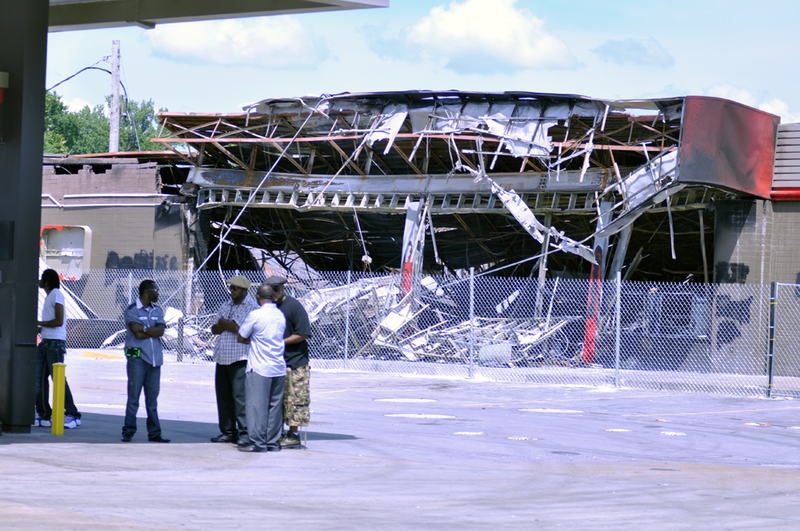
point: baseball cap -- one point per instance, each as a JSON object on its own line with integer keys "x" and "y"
{"x": 239, "y": 281}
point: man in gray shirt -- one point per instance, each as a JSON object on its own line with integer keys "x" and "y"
{"x": 145, "y": 323}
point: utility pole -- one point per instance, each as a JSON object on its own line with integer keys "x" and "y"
{"x": 113, "y": 137}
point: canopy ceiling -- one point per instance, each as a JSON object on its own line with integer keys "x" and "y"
{"x": 68, "y": 15}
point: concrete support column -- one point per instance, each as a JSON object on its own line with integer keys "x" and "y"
{"x": 23, "y": 53}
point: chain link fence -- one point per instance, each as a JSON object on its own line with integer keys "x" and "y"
{"x": 784, "y": 369}
{"x": 686, "y": 337}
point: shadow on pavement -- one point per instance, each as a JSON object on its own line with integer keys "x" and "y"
{"x": 98, "y": 428}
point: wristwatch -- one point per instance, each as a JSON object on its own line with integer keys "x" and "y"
{"x": 144, "y": 329}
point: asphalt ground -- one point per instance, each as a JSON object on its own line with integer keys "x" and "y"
{"x": 391, "y": 452}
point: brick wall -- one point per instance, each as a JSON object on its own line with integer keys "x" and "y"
{"x": 135, "y": 237}
{"x": 784, "y": 243}
{"x": 126, "y": 237}
{"x": 121, "y": 178}
{"x": 757, "y": 242}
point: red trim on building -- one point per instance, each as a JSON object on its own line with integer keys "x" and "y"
{"x": 785, "y": 194}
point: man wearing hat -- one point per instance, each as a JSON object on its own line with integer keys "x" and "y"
{"x": 231, "y": 359}
{"x": 296, "y": 395}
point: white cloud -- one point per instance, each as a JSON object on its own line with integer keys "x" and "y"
{"x": 730, "y": 92}
{"x": 774, "y": 106}
{"x": 489, "y": 36}
{"x": 644, "y": 52}
{"x": 77, "y": 104}
{"x": 270, "y": 42}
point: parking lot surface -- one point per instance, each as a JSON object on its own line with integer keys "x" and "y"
{"x": 391, "y": 452}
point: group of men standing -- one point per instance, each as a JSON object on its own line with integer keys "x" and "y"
{"x": 261, "y": 356}
{"x": 262, "y": 372}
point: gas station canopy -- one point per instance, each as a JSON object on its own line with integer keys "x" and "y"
{"x": 68, "y": 15}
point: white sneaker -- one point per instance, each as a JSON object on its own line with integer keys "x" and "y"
{"x": 78, "y": 421}
{"x": 70, "y": 422}
{"x": 45, "y": 423}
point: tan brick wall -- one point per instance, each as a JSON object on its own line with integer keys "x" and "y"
{"x": 121, "y": 178}
{"x": 126, "y": 231}
{"x": 784, "y": 243}
{"x": 758, "y": 242}
{"x": 123, "y": 236}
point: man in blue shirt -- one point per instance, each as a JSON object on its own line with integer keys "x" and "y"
{"x": 145, "y": 323}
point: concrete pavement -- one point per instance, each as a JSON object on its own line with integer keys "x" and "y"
{"x": 390, "y": 452}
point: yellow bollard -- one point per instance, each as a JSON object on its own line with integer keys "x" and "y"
{"x": 57, "y": 427}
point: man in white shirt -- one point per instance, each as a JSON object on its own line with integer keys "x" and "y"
{"x": 265, "y": 375}
{"x": 53, "y": 331}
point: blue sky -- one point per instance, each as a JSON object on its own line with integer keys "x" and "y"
{"x": 620, "y": 49}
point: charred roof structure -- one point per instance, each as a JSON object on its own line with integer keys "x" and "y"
{"x": 511, "y": 182}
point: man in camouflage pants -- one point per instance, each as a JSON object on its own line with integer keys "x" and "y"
{"x": 296, "y": 396}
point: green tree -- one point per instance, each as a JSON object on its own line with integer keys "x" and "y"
{"x": 54, "y": 112}
{"x": 87, "y": 130}
{"x": 54, "y": 143}
{"x": 143, "y": 116}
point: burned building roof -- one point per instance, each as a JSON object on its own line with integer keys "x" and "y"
{"x": 329, "y": 179}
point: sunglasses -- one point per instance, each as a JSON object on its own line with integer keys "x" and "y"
{"x": 154, "y": 290}
{"x": 234, "y": 288}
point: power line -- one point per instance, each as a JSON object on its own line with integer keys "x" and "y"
{"x": 125, "y": 90}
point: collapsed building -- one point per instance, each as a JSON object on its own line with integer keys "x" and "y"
{"x": 539, "y": 187}
{"x": 688, "y": 189}
{"x": 515, "y": 183}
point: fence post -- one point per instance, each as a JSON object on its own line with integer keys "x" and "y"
{"x": 773, "y": 303}
{"x": 130, "y": 287}
{"x": 347, "y": 322}
{"x": 471, "y": 322}
{"x": 543, "y": 266}
{"x": 180, "y": 339}
{"x": 618, "y": 328}
{"x": 188, "y": 285}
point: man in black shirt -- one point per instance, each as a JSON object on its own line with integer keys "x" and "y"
{"x": 296, "y": 396}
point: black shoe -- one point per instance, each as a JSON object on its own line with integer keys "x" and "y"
{"x": 243, "y": 441}
{"x": 158, "y": 438}
{"x": 274, "y": 448}
{"x": 250, "y": 448}
{"x": 126, "y": 437}
{"x": 224, "y": 438}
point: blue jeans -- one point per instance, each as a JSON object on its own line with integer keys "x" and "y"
{"x": 48, "y": 352}
{"x": 264, "y": 409}
{"x": 142, "y": 375}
